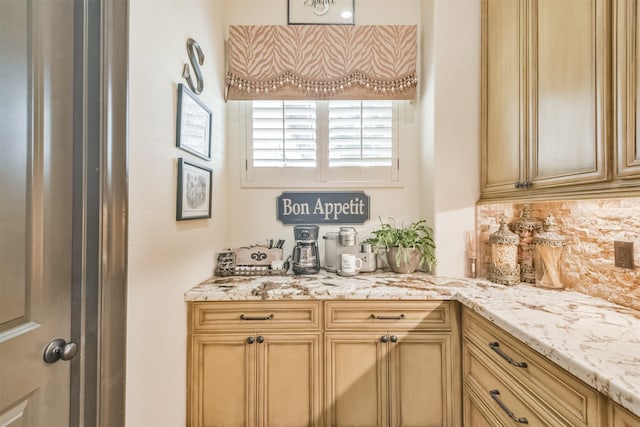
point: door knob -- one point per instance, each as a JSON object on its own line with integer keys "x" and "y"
{"x": 394, "y": 338}
{"x": 384, "y": 338}
{"x": 60, "y": 349}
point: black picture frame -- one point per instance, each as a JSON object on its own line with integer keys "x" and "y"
{"x": 195, "y": 183}
{"x": 321, "y": 12}
{"x": 193, "y": 124}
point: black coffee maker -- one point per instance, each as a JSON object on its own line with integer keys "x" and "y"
{"x": 305, "y": 253}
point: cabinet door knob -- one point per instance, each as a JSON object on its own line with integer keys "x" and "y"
{"x": 384, "y": 338}
{"x": 394, "y": 338}
{"x": 527, "y": 184}
{"x": 251, "y": 340}
{"x": 517, "y": 184}
{"x": 260, "y": 339}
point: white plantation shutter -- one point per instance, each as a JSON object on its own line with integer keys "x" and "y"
{"x": 316, "y": 143}
{"x": 360, "y": 133}
{"x": 284, "y": 134}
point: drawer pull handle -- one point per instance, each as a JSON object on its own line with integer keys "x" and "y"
{"x": 243, "y": 317}
{"x": 400, "y": 317}
{"x": 495, "y": 394}
{"x": 495, "y": 346}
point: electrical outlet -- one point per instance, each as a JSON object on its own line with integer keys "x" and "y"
{"x": 623, "y": 254}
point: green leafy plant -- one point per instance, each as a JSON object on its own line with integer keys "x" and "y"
{"x": 416, "y": 235}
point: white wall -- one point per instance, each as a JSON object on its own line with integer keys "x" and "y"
{"x": 439, "y": 154}
{"x": 254, "y": 209}
{"x": 167, "y": 257}
{"x": 451, "y": 126}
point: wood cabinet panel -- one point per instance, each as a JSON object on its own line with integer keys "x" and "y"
{"x": 503, "y": 88}
{"x": 250, "y": 371}
{"x": 420, "y": 368}
{"x": 386, "y": 315}
{"x": 564, "y": 397}
{"x": 546, "y": 97}
{"x": 289, "y": 380}
{"x": 502, "y": 395}
{"x": 569, "y": 91}
{"x": 221, "y": 379}
{"x": 620, "y": 417}
{"x": 571, "y": 398}
{"x": 356, "y": 380}
{"x": 251, "y": 316}
{"x": 407, "y": 373}
{"x": 627, "y": 74}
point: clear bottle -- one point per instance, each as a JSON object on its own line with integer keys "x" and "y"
{"x": 550, "y": 246}
{"x": 527, "y": 227}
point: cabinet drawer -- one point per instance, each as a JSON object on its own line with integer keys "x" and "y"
{"x": 506, "y": 399}
{"x": 568, "y": 397}
{"x": 387, "y": 315}
{"x": 620, "y": 417}
{"x": 254, "y": 316}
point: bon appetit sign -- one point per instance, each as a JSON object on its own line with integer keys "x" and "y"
{"x": 312, "y": 207}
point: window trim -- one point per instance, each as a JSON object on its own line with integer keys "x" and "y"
{"x": 322, "y": 175}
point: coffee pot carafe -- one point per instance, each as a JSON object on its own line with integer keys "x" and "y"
{"x": 306, "y": 259}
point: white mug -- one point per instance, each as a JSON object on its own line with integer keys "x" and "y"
{"x": 350, "y": 263}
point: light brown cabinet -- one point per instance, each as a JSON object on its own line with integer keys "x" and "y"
{"x": 627, "y": 107}
{"x": 392, "y": 363}
{"x": 514, "y": 383}
{"x": 254, "y": 364}
{"x": 546, "y": 91}
{"x": 375, "y": 363}
{"x": 620, "y": 417}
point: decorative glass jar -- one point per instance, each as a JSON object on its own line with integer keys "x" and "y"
{"x": 527, "y": 227}
{"x": 504, "y": 266}
{"x": 550, "y": 247}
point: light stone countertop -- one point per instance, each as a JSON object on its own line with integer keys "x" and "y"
{"x": 597, "y": 341}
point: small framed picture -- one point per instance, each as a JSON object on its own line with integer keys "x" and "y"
{"x": 193, "y": 124}
{"x": 321, "y": 12}
{"x": 194, "y": 191}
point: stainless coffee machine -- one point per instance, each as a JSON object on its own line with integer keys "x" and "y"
{"x": 346, "y": 242}
{"x": 306, "y": 259}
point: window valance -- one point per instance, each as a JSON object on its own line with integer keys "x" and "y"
{"x": 321, "y": 62}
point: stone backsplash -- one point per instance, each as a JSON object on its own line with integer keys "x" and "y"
{"x": 591, "y": 227}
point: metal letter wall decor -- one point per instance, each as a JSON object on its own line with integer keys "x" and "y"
{"x": 193, "y": 48}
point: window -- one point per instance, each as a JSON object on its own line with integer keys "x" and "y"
{"x": 304, "y": 143}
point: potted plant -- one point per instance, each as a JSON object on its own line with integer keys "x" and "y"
{"x": 406, "y": 246}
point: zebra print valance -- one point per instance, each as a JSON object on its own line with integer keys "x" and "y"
{"x": 321, "y": 62}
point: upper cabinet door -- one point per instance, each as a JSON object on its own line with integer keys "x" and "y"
{"x": 627, "y": 73}
{"x": 503, "y": 86}
{"x": 568, "y": 93}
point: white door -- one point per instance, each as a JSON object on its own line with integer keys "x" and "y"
{"x": 36, "y": 142}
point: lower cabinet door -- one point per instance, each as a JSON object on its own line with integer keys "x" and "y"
{"x": 356, "y": 379}
{"x": 420, "y": 380}
{"x": 222, "y": 381}
{"x": 289, "y": 380}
